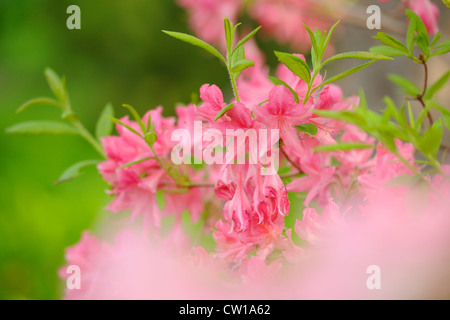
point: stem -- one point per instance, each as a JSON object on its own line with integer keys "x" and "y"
{"x": 420, "y": 96}
{"x": 291, "y": 161}
{"x": 89, "y": 138}
{"x": 233, "y": 82}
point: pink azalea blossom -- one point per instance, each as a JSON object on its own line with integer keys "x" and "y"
{"x": 426, "y": 10}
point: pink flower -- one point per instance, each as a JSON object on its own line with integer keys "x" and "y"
{"x": 206, "y": 17}
{"x": 426, "y": 10}
{"x": 284, "y": 20}
{"x": 282, "y": 113}
{"x": 238, "y": 210}
{"x": 317, "y": 180}
{"x": 315, "y": 228}
{"x": 134, "y": 187}
{"x": 387, "y": 167}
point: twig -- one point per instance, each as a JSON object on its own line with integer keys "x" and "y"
{"x": 420, "y": 96}
{"x": 291, "y": 161}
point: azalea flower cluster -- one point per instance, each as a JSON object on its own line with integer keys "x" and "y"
{"x": 337, "y": 205}
{"x": 426, "y": 10}
{"x": 281, "y": 19}
{"x": 244, "y": 210}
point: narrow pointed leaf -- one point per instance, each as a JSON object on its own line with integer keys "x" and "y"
{"x": 438, "y": 85}
{"x": 129, "y": 164}
{"x": 357, "y": 55}
{"x": 242, "y": 65}
{"x": 308, "y": 128}
{"x": 346, "y": 73}
{"x": 42, "y": 127}
{"x": 117, "y": 121}
{"x": 136, "y": 116}
{"x": 343, "y": 146}
{"x": 75, "y": 170}
{"x": 56, "y": 84}
{"x": 327, "y": 39}
{"x": 196, "y": 42}
{"x": 245, "y": 39}
{"x": 37, "y": 102}
{"x": 223, "y": 111}
{"x": 295, "y": 64}
{"x": 408, "y": 86}
{"x": 104, "y": 125}
{"x": 391, "y": 42}
{"x": 388, "y": 51}
{"x": 279, "y": 82}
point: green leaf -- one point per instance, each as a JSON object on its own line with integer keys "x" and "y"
{"x": 388, "y": 51}
{"x": 75, "y": 170}
{"x": 391, "y": 42}
{"x": 129, "y": 164}
{"x": 412, "y": 121}
{"x": 315, "y": 50}
{"x": 223, "y": 111}
{"x": 343, "y": 146}
{"x": 308, "y": 128}
{"x": 160, "y": 199}
{"x": 346, "y": 73}
{"x": 136, "y": 116}
{"x": 279, "y": 82}
{"x": 442, "y": 49}
{"x": 438, "y": 85}
{"x": 357, "y": 55}
{"x": 409, "y": 87}
{"x": 245, "y": 39}
{"x": 42, "y": 127}
{"x": 117, "y": 121}
{"x": 39, "y": 101}
{"x": 196, "y": 42}
{"x": 436, "y": 38}
{"x": 444, "y": 111}
{"x": 242, "y": 65}
{"x": 149, "y": 121}
{"x": 327, "y": 39}
{"x": 410, "y": 36}
{"x": 431, "y": 140}
{"x": 228, "y": 34}
{"x": 56, "y": 84}
{"x": 346, "y": 116}
{"x": 295, "y": 64}
{"x": 237, "y": 56}
{"x": 104, "y": 126}
{"x": 421, "y": 29}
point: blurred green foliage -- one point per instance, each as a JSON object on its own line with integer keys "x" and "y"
{"x": 120, "y": 56}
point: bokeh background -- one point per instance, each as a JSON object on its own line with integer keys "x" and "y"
{"x": 120, "y": 56}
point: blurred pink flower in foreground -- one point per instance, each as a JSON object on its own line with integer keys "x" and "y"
{"x": 409, "y": 245}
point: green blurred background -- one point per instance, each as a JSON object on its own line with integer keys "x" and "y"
{"x": 120, "y": 56}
